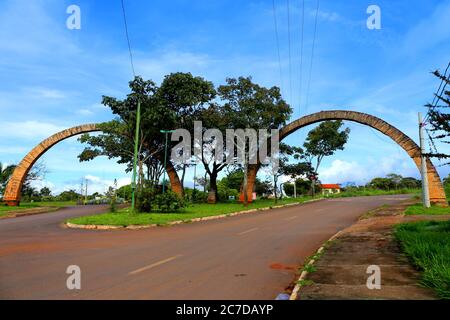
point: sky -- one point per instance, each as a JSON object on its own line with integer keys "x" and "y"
{"x": 53, "y": 78}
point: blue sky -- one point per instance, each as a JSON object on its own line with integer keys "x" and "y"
{"x": 53, "y": 78}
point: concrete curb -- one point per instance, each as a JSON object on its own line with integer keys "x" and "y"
{"x": 148, "y": 226}
{"x": 294, "y": 294}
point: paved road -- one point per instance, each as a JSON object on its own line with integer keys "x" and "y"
{"x": 251, "y": 256}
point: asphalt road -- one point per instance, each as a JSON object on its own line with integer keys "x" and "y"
{"x": 250, "y": 256}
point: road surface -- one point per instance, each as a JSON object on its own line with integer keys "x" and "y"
{"x": 251, "y": 256}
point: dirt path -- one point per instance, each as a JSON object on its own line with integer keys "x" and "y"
{"x": 341, "y": 272}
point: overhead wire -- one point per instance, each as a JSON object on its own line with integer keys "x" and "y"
{"x": 301, "y": 56}
{"x": 128, "y": 38}
{"x": 312, "y": 55}
{"x": 289, "y": 50}
{"x": 277, "y": 37}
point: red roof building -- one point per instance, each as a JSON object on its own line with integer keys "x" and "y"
{"x": 330, "y": 188}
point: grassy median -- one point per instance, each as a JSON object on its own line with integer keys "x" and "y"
{"x": 427, "y": 244}
{"x": 124, "y": 217}
{"x": 5, "y": 210}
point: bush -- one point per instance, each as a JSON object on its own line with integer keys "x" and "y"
{"x": 225, "y": 192}
{"x": 169, "y": 202}
{"x": 144, "y": 199}
{"x": 195, "y": 196}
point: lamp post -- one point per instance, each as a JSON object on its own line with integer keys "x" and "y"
{"x": 136, "y": 145}
{"x": 166, "y": 132}
{"x": 195, "y": 171}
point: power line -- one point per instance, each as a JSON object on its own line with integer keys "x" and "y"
{"x": 312, "y": 55}
{"x": 278, "y": 42}
{"x": 128, "y": 38}
{"x": 289, "y": 49}
{"x": 301, "y": 55}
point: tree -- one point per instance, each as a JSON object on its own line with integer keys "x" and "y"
{"x": 324, "y": 141}
{"x": 381, "y": 183}
{"x": 69, "y": 195}
{"x": 439, "y": 118}
{"x": 5, "y": 173}
{"x": 187, "y": 96}
{"x": 249, "y": 105}
{"x": 45, "y": 192}
{"x": 395, "y": 178}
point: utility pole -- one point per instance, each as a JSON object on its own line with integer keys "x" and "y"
{"x": 295, "y": 189}
{"x": 423, "y": 167}
{"x": 85, "y": 192}
{"x": 136, "y": 144}
{"x": 166, "y": 132}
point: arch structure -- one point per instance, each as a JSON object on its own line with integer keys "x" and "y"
{"x": 13, "y": 189}
{"x": 436, "y": 190}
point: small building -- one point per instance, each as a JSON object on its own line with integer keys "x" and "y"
{"x": 330, "y": 188}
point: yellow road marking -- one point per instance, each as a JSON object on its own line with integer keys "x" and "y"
{"x": 251, "y": 230}
{"x": 154, "y": 264}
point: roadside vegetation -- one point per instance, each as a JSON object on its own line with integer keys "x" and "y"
{"x": 427, "y": 244}
{"x": 419, "y": 209}
{"x": 4, "y": 210}
{"x": 125, "y": 217}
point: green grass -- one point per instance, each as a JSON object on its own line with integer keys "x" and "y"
{"x": 30, "y": 205}
{"x": 427, "y": 244}
{"x": 125, "y": 218}
{"x": 374, "y": 192}
{"x": 420, "y": 210}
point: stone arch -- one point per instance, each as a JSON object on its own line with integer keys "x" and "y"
{"x": 13, "y": 189}
{"x": 437, "y": 193}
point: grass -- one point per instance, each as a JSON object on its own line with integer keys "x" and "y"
{"x": 124, "y": 217}
{"x": 374, "y": 192}
{"x": 4, "y": 210}
{"x": 419, "y": 209}
{"x": 427, "y": 244}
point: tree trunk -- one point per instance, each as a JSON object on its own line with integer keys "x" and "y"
{"x": 175, "y": 183}
{"x": 212, "y": 195}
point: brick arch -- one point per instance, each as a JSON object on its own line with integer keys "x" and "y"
{"x": 437, "y": 193}
{"x": 13, "y": 189}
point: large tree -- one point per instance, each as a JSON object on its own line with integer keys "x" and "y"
{"x": 172, "y": 105}
{"x": 323, "y": 141}
{"x": 248, "y": 105}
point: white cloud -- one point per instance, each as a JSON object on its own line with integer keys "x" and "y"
{"x": 341, "y": 171}
{"x": 95, "y": 184}
{"x": 28, "y": 130}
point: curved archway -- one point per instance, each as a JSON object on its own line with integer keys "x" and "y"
{"x": 14, "y": 187}
{"x": 437, "y": 193}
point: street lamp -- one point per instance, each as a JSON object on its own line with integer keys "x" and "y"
{"x": 195, "y": 171}
{"x": 166, "y": 132}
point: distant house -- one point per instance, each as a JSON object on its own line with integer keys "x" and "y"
{"x": 330, "y": 189}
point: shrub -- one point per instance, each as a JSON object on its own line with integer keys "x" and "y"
{"x": 144, "y": 199}
{"x": 225, "y": 192}
{"x": 195, "y": 196}
{"x": 169, "y": 202}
